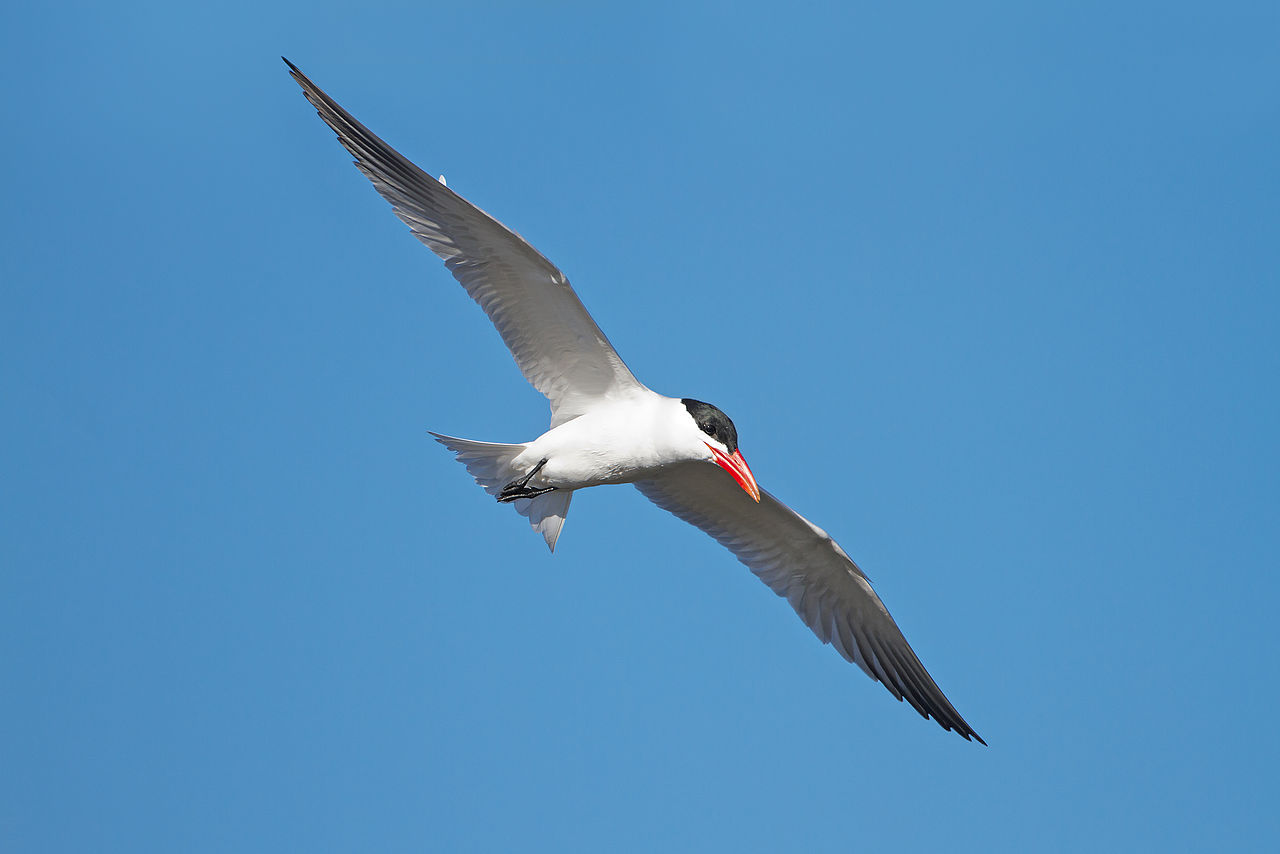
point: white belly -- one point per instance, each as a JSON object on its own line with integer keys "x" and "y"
{"x": 618, "y": 443}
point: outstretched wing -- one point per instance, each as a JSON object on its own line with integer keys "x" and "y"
{"x": 800, "y": 561}
{"x": 558, "y": 347}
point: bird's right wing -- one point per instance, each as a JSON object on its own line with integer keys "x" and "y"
{"x": 800, "y": 562}
{"x": 557, "y": 346}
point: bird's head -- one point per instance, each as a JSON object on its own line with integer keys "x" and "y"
{"x": 721, "y": 440}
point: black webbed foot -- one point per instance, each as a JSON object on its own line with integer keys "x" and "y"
{"x": 521, "y": 489}
{"x": 508, "y": 495}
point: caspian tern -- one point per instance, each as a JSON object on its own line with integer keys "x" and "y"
{"x": 607, "y": 427}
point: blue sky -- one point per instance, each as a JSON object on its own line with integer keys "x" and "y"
{"x": 990, "y": 293}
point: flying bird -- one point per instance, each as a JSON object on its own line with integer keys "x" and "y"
{"x": 608, "y": 428}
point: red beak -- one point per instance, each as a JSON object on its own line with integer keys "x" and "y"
{"x": 735, "y": 465}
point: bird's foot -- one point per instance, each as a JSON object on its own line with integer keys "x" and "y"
{"x": 521, "y": 489}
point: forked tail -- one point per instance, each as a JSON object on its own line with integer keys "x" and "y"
{"x": 491, "y": 465}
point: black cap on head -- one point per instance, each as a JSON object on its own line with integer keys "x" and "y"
{"x": 713, "y": 422}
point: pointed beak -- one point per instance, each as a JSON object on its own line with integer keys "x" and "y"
{"x": 735, "y": 465}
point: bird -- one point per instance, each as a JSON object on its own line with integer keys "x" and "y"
{"x": 609, "y": 428}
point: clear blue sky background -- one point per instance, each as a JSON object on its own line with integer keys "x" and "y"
{"x": 990, "y": 290}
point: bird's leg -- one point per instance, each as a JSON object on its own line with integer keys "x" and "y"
{"x": 521, "y": 489}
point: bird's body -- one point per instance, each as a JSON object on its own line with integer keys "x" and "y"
{"x": 608, "y": 428}
{"x": 626, "y": 441}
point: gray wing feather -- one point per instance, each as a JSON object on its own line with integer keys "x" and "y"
{"x": 801, "y": 563}
{"x": 556, "y": 344}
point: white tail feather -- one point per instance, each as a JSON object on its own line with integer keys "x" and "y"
{"x": 546, "y": 513}
{"x": 490, "y": 464}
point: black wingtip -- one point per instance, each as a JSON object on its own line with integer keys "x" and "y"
{"x": 292, "y": 67}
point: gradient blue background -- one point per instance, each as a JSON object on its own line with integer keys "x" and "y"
{"x": 990, "y": 291}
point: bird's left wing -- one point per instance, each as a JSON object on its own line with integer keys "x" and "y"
{"x": 556, "y": 344}
{"x": 800, "y": 562}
